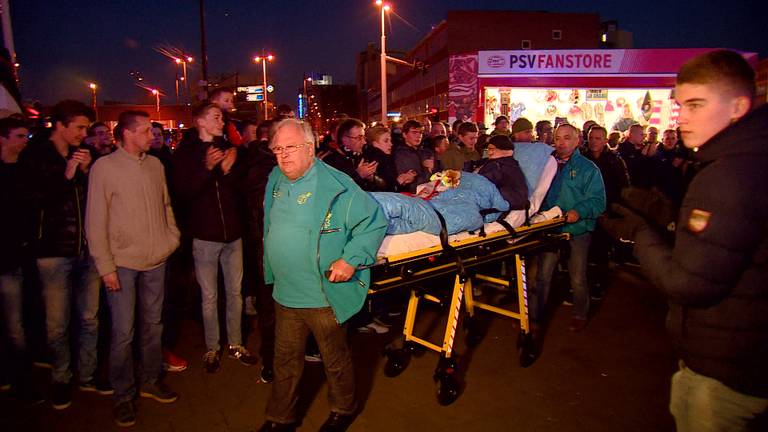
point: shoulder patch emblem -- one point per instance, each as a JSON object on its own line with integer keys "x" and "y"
{"x": 698, "y": 220}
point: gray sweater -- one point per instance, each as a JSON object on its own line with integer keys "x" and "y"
{"x": 129, "y": 221}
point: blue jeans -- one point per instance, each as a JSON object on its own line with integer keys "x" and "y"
{"x": 67, "y": 279}
{"x": 577, "y": 271}
{"x": 208, "y": 255}
{"x": 11, "y": 298}
{"x": 148, "y": 287}
{"x": 291, "y": 331}
{"x": 703, "y": 404}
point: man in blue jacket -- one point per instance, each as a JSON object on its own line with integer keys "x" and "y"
{"x": 579, "y": 191}
{"x": 319, "y": 228}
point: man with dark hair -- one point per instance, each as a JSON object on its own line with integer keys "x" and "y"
{"x": 638, "y": 165}
{"x": 209, "y": 177}
{"x": 714, "y": 274}
{"x": 579, "y": 192}
{"x": 58, "y": 174}
{"x": 464, "y": 151}
{"x": 224, "y": 98}
{"x": 615, "y": 178}
{"x": 16, "y": 226}
{"x": 131, "y": 232}
{"x": 408, "y": 157}
{"x": 100, "y": 139}
{"x": 348, "y": 157}
{"x": 544, "y": 131}
{"x": 249, "y": 131}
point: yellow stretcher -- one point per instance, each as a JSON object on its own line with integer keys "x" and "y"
{"x": 462, "y": 260}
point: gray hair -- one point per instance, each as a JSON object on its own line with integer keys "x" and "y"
{"x": 302, "y": 126}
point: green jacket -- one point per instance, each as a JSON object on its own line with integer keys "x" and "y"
{"x": 350, "y": 225}
{"x": 578, "y": 185}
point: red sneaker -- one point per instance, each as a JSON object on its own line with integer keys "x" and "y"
{"x": 173, "y": 363}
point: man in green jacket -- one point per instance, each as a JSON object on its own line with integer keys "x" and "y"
{"x": 319, "y": 229}
{"x": 579, "y": 191}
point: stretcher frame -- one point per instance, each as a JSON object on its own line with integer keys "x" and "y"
{"x": 461, "y": 259}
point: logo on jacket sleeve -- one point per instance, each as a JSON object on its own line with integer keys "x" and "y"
{"x": 698, "y": 220}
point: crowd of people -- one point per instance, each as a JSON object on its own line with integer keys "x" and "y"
{"x": 96, "y": 212}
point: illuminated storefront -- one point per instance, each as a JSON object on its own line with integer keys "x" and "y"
{"x": 615, "y": 88}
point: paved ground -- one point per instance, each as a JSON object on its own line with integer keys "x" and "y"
{"x": 612, "y": 377}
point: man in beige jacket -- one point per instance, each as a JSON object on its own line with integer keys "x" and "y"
{"x": 131, "y": 231}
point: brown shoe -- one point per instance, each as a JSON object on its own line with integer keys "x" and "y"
{"x": 578, "y": 324}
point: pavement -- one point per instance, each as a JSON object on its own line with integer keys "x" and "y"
{"x": 613, "y": 376}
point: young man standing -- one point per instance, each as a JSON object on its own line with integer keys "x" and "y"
{"x": 209, "y": 179}
{"x": 715, "y": 274}
{"x": 132, "y": 231}
{"x": 58, "y": 174}
{"x": 16, "y": 233}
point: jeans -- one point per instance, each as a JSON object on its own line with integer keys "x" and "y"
{"x": 208, "y": 255}
{"x": 11, "y": 298}
{"x": 703, "y": 404}
{"x": 577, "y": 271}
{"x": 148, "y": 287}
{"x": 292, "y": 329}
{"x": 63, "y": 278}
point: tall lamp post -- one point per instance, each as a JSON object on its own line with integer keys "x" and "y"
{"x": 263, "y": 59}
{"x": 157, "y": 99}
{"x": 183, "y": 62}
{"x": 306, "y": 96}
{"x": 93, "y": 87}
{"x": 384, "y": 8}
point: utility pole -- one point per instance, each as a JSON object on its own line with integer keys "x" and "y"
{"x": 203, "y": 50}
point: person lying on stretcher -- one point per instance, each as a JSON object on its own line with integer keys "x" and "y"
{"x": 465, "y": 200}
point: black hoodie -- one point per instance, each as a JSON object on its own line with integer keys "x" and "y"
{"x": 716, "y": 274}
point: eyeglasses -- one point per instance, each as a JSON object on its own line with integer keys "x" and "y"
{"x": 359, "y": 137}
{"x": 278, "y": 151}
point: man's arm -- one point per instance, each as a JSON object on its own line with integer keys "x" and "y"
{"x": 368, "y": 226}
{"x": 97, "y": 221}
{"x": 593, "y": 204}
{"x": 717, "y": 234}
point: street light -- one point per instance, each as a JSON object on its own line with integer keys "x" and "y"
{"x": 264, "y": 59}
{"x": 157, "y": 99}
{"x": 93, "y": 87}
{"x": 183, "y": 62}
{"x": 306, "y": 96}
{"x": 384, "y": 8}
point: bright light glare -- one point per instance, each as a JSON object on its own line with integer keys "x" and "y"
{"x": 92, "y": 86}
{"x": 379, "y": 2}
{"x": 190, "y": 59}
{"x": 387, "y": 8}
{"x": 177, "y": 60}
{"x": 155, "y": 92}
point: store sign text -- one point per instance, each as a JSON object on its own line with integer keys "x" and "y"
{"x": 550, "y": 62}
{"x": 560, "y": 61}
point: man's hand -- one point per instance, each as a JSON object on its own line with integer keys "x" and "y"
{"x": 72, "y": 165}
{"x": 341, "y": 271}
{"x": 572, "y": 216}
{"x": 84, "y": 159}
{"x": 624, "y": 225}
{"x": 407, "y": 177}
{"x": 111, "y": 281}
{"x": 213, "y": 157}
{"x": 230, "y": 156}
{"x": 366, "y": 169}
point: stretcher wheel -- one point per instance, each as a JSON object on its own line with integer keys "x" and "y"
{"x": 447, "y": 390}
{"x": 397, "y": 361}
{"x": 526, "y": 349}
{"x": 447, "y": 384}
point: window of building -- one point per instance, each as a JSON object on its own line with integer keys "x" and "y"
{"x": 557, "y": 34}
{"x": 526, "y": 44}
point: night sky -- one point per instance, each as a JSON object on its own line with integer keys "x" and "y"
{"x": 63, "y": 45}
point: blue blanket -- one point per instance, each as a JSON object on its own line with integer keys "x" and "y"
{"x": 532, "y": 158}
{"x": 460, "y": 207}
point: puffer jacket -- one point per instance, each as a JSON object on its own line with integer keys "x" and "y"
{"x": 716, "y": 274}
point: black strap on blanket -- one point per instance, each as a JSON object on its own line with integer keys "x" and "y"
{"x": 447, "y": 248}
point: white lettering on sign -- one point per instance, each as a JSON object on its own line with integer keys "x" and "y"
{"x": 556, "y": 61}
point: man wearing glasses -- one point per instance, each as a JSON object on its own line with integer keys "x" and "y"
{"x": 319, "y": 229}
{"x": 348, "y": 158}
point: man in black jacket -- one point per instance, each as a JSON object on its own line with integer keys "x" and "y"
{"x": 58, "y": 174}
{"x": 16, "y": 233}
{"x": 208, "y": 175}
{"x": 503, "y": 170}
{"x": 715, "y": 275}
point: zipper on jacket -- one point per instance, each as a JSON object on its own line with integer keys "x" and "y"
{"x": 322, "y": 289}
{"x": 221, "y": 211}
